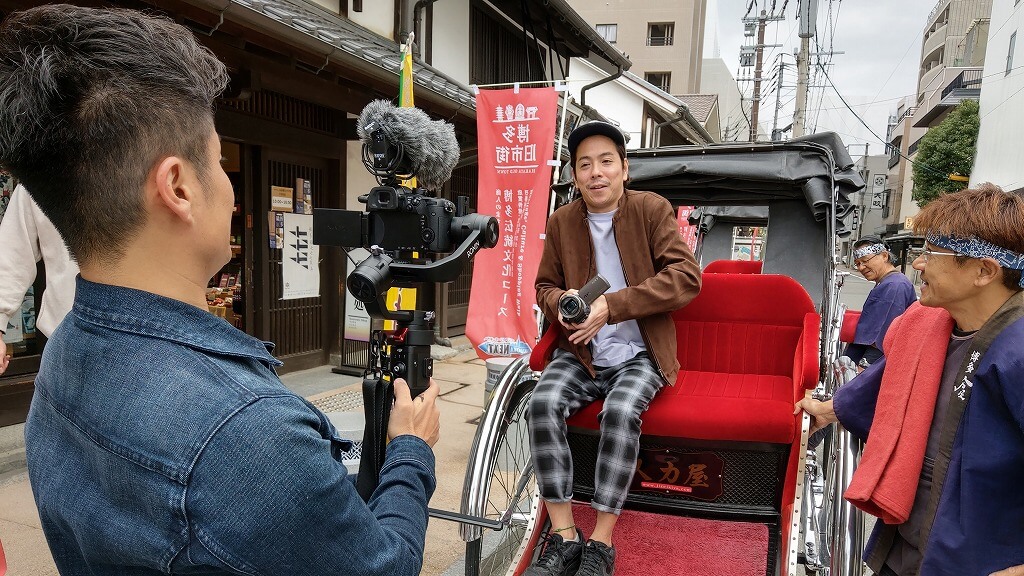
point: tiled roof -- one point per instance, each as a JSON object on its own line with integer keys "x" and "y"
{"x": 700, "y": 105}
{"x": 346, "y": 36}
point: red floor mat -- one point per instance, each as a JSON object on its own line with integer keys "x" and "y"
{"x": 659, "y": 545}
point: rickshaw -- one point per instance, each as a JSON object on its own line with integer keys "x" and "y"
{"x": 725, "y": 481}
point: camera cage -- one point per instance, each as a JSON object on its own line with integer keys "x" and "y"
{"x": 404, "y": 352}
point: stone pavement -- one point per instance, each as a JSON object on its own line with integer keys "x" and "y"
{"x": 457, "y": 370}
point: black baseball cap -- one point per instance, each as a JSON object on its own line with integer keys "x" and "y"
{"x": 594, "y": 128}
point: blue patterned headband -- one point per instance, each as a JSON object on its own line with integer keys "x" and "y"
{"x": 869, "y": 250}
{"x": 977, "y": 248}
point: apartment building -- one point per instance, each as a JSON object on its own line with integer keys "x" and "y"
{"x": 1000, "y": 157}
{"x": 664, "y": 40}
{"x": 953, "y": 49}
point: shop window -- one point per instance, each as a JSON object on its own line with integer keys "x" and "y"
{"x": 748, "y": 242}
{"x": 225, "y": 293}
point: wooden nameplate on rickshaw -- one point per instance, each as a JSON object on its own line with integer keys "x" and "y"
{"x": 668, "y": 471}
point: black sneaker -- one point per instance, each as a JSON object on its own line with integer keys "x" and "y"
{"x": 598, "y": 560}
{"x": 559, "y": 558}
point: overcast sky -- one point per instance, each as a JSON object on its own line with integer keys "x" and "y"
{"x": 882, "y": 44}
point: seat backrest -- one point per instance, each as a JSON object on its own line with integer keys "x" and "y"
{"x": 734, "y": 267}
{"x": 848, "y": 329}
{"x": 742, "y": 324}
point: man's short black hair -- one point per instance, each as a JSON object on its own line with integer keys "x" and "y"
{"x": 90, "y": 100}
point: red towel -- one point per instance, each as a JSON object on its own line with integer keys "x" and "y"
{"x": 886, "y": 479}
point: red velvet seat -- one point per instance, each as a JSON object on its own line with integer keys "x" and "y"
{"x": 849, "y": 327}
{"x": 748, "y": 350}
{"x": 734, "y": 267}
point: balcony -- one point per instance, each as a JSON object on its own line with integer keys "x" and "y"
{"x": 967, "y": 84}
{"x": 940, "y": 6}
{"x": 934, "y": 41}
{"x": 897, "y": 128}
{"x": 951, "y": 87}
{"x": 894, "y": 157}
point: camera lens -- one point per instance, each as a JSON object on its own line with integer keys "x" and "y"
{"x": 370, "y": 278}
{"x": 573, "y": 309}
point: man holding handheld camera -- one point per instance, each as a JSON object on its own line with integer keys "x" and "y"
{"x": 623, "y": 351}
{"x": 160, "y": 439}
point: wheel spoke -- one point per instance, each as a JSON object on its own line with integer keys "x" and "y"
{"x": 511, "y": 493}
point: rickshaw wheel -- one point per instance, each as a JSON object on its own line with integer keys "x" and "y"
{"x": 512, "y": 494}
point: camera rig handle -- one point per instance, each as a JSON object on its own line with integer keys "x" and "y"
{"x": 405, "y": 353}
{"x": 370, "y": 280}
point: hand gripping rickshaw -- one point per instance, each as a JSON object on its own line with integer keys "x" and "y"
{"x": 725, "y": 481}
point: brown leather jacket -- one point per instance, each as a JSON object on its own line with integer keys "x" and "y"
{"x": 661, "y": 273}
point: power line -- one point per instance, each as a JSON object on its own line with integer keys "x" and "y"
{"x": 857, "y": 116}
{"x": 900, "y": 63}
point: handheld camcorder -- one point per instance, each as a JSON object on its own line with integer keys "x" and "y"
{"x": 575, "y": 308}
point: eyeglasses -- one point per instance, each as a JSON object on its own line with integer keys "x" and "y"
{"x": 925, "y": 253}
{"x": 865, "y": 261}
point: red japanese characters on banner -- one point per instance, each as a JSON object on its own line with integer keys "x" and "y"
{"x": 515, "y": 136}
{"x": 687, "y": 230}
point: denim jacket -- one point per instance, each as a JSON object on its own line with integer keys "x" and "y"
{"x": 160, "y": 440}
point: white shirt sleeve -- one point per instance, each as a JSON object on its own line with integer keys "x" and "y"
{"x": 19, "y": 252}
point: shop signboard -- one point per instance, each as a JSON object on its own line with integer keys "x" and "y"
{"x": 282, "y": 198}
{"x": 300, "y": 259}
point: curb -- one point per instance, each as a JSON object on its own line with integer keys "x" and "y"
{"x": 13, "y": 460}
{"x": 12, "y": 448}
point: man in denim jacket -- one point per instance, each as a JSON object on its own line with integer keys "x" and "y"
{"x": 160, "y": 439}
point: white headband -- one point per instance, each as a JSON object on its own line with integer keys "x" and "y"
{"x": 869, "y": 250}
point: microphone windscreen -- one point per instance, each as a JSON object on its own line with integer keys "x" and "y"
{"x": 378, "y": 114}
{"x": 430, "y": 145}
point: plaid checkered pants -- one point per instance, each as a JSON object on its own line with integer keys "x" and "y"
{"x": 564, "y": 388}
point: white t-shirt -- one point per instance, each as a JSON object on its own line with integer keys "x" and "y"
{"x": 614, "y": 343}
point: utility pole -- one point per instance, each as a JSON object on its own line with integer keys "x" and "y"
{"x": 758, "y": 54}
{"x": 757, "y": 76}
{"x": 808, "y": 23}
{"x": 778, "y": 101}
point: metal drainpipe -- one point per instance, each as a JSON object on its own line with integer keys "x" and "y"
{"x": 583, "y": 93}
{"x": 406, "y": 19}
{"x": 416, "y": 12}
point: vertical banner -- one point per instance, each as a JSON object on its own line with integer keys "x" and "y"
{"x": 300, "y": 259}
{"x": 687, "y": 230}
{"x": 515, "y": 134}
{"x": 403, "y": 298}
